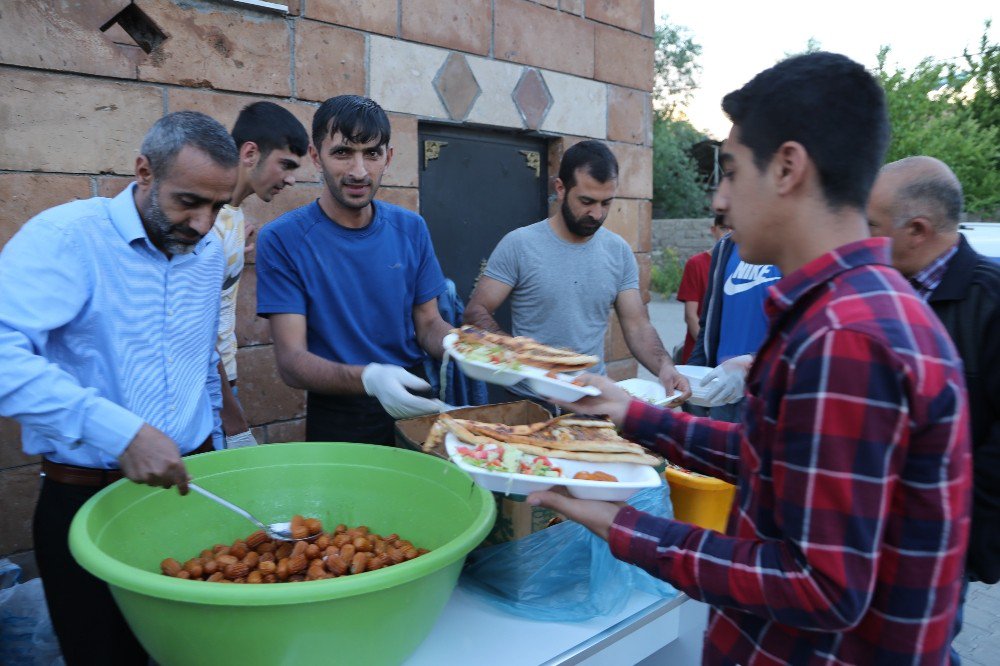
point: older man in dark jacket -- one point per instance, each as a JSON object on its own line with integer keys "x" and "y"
{"x": 917, "y": 202}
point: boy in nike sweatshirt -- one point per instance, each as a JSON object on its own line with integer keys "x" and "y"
{"x": 733, "y": 326}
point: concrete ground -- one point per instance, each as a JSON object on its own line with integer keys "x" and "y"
{"x": 667, "y": 317}
{"x": 978, "y": 644}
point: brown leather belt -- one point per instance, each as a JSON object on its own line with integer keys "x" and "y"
{"x": 97, "y": 478}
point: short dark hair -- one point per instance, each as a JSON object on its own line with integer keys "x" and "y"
{"x": 593, "y": 156}
{"x": 168, "y": 136}
{"x": 271, "y": 127}
{"x": 358, "y": 118}
{"x": 829, "y": 104}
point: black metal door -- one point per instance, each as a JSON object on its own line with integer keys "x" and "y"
{"x": 475, "y": 186}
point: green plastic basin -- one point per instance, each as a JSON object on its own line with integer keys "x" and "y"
{"x": 380, "y": 617}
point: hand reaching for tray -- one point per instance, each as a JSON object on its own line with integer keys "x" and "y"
{"x": 674, "y": 381}
{"x": 612, "y": 402}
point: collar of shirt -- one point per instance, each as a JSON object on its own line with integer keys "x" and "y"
{"x": 369, "y": 229}
{"x": 927, "y": 279}
{"x": 125, "y": 218}
{"x": 792, "y": 288}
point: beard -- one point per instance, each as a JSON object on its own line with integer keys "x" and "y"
{"x": 171, "y": 238}
{"x": 584, "y": 226}
{"x": 336, "y": 189}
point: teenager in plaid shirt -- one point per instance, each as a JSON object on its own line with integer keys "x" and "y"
{"x": 847, "y": 538}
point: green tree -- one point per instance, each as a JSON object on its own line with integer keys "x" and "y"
{"x": 678, "y": 188}
{"x": 675, "y": 65}
{"x": 984, "y": 78}
{"x": 931, "y": 115}
{"x": 813, "y": 45}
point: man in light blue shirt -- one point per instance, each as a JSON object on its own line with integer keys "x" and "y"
{"x": 108, "y": 318}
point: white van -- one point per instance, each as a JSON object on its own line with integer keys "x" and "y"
{"x": 984, "y": 237}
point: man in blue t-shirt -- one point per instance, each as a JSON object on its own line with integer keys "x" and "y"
{"x": 350, "y": 286}
{"x": 733, "y": 326}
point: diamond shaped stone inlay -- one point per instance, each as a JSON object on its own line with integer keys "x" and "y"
{"x": 457, "y": 86}
{"x": 532, "y": 98}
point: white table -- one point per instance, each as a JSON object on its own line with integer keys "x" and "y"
{"x": 650, "y": 628}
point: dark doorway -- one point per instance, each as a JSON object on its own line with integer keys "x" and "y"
{"x": 475, "y": 186}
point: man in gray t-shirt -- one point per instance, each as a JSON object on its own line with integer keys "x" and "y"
{"x": 562, "y": 292}
{"x": 564, "y": 274}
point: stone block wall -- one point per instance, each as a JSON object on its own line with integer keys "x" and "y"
{"x": 687, "y": 237}
{"x": 75, "y": 103}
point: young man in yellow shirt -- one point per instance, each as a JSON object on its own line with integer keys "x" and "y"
{"x": 271, "y": 143}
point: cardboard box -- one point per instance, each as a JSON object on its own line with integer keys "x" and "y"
{"x": 515, "y": 517}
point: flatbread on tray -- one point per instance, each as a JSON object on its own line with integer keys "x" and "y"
{"x": 558, "y": 437}
{"x": 590, "y": 456}
{"x": 524, "y": 350}
{"x": 568, "y": 437}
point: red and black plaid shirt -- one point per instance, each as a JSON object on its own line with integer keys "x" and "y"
{"x": 847, "y": 538}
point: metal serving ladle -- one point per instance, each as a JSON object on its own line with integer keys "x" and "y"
{"x": 279, "y": 531}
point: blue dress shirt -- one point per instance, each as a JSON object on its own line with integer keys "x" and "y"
{"x": 100, "y": 332}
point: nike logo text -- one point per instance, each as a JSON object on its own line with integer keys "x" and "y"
{"x": 746, "y": 277}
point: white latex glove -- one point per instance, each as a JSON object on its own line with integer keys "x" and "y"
{"x": 388, "y": 383}
{"x": 240, "y": 440}
{"x": 726, "y": 381}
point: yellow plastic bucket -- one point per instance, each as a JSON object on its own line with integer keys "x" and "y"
{"x": 700, "y": 500}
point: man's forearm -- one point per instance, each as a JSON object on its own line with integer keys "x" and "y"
{"x": 477, "y": 315}
{"x": 645, "y": 345}
{"x": 692, "y": 328}
{"x": 765, "y": 577}
{"x": 691, "y": 319}
{"x": 699, "y": 444}
{"x": 431, "y": 338}
{"x": 305, "y": 370}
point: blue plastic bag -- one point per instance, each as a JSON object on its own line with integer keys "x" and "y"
{"x": 26, "y": 635}
{"x": 564, "y": 573}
